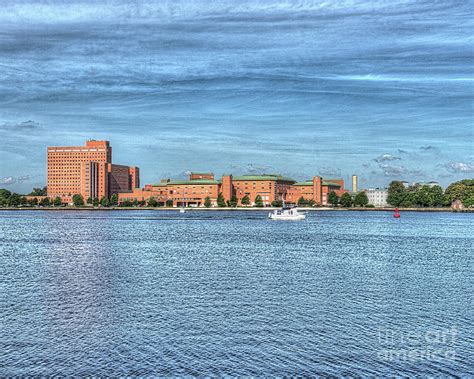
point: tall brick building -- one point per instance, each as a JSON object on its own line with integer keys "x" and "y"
{"x": 88, "y": 170}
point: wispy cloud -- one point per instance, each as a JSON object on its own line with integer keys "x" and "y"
{"x": 181, "y": 84}
{"x": 387, "y": 158}
{"x": 20, "y": 126}
{"x": 459, "y": 167}
{"x": 7, "y": 180}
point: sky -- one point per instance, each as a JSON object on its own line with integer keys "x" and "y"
{"x": 381, "y": 89}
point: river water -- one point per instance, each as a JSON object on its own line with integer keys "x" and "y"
{"x": 159, "y": 293}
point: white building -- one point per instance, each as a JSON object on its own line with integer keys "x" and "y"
{"x": 377, "y": 196}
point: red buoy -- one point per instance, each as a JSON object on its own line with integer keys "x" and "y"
{"x": 396, "y": 214}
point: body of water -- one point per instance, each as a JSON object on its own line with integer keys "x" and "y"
{"x": 158, "y": 293}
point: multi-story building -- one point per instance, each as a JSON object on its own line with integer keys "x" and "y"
{"x": 88, "y": 171}
{"x": 377, "y": 196}
{"x": 316, "y": 189}
{"x": 268, "y": 187}
{"x": 193, "y": 192}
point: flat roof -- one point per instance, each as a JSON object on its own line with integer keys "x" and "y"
{"x": 324, "y": 183}
{"x": 305, "y": 183}
{"x": 263, "y": 177}
{"x": 187, "y": 182}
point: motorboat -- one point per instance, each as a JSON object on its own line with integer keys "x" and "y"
{"x": 287, "y": 213}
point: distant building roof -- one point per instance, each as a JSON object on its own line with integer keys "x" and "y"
{"x": 263, "y": 177}
{"x": 332, "y": 184}
{"x": 187, "y": 182}
{"x": 305, "y": 183}
{"x": 324, "y": 183}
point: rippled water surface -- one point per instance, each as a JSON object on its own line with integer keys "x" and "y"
{"x": 232, "y": 293}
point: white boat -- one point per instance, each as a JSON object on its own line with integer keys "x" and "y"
{"x": 286, "y": 213}
{"x": 182, "y": 210}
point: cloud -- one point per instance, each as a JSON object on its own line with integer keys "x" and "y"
{"x": 386, "y": 158}
{"x": 459, "y": 167}
{"x": 7, "y": 180}
{"x": 428, "y": 148}
{"x": 390, "y": 170}
{"x": 20, "y": 126}
{"x": 255, "y": 168}
{"x": 329, "y": 171}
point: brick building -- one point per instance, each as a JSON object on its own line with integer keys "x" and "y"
{"x": 87, "y": 170}
{"x": 198, "y": 187}
{"x": 316, "y": 189}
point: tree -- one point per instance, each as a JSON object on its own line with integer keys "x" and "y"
{"x": 333, "y": 198}
{"x": 114, "y": 200}
{"x": 152, "y": 202}
{"x": 220, "y": 200}
{"x": 245, "y": 200}
{"x": 346, "y": 200}
{"x": 301, "y": 202}
{"x": 438, "y": 196}
{"x": 258, "y": 201}
{"x": 135, "y": 203}
{"x": 23, "y": 201}
{"x": 4, "y": 194}
{"x": 89, "y": 200}
{"x": 462, "y": 190}
{"x": 78, "y": 200}
{"x": 45, "y": 202}
{"x": 233, "y": 201}
{"x": 95, "y": 201}
{"x": 33, "y": 201}
{"x": 125, "y": 203}
{"x": 207, "y": 202}
{"x": 104, "y": 202}
{"x": 361, "y": 199}
{"x": 169, "y": 203}
{"x": 14, "y": 200}
{"x": 39, "y": 192}
{"x": 57, "y": 202}
{"x": 396, "y": 193}
{"x": 277, "y": 203}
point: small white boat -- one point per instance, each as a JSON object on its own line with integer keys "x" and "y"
{"x": 286, "y": 213}
{"x": 182, "y": 210}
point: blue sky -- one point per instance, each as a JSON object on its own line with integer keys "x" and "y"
{"x": 382, "y": 89}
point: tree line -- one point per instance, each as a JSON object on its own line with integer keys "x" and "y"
{"x": 398, "y": 195}
{"x": 430, "y": 196}
{"x": 346, "y": 200}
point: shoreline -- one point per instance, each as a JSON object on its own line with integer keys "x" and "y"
{"x": 245, "y": 209}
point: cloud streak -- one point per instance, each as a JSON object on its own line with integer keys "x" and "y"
{"x": 301, "y": 86}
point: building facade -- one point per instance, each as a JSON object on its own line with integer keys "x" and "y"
{"x": 316, "y": 190}
{"x": 194, "y": 191}
{"x": 377, "y": 196}
{"x": 88, "y": 171}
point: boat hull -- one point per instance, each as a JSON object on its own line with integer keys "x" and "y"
{"x": 287, "y": 218}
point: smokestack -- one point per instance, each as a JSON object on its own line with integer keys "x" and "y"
{"x": 354, "y": 183}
